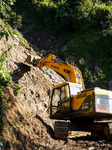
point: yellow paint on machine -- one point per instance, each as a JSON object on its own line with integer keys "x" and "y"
{"x": 79, "y": 99}
{"x": 101, "y": 92}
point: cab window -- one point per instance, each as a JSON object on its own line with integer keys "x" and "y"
{"x": 74, "y": 89}
{"x": 56, "y": 97}
{"x": 59, "y": 97}
{"x": 64, "y": 92}
{"x": 55, "y": 100}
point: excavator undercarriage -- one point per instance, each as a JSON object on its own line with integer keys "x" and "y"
{"x": 63, "y": 129}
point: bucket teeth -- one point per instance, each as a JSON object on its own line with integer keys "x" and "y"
{"x": 29, "y": 60}
{"x": 32, "y": 59}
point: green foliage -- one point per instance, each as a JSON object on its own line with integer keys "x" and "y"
{"x": 100, "y": 75}
{"x": 4, "y": 81}
{"x": 103, "y": 16}
{"x": 95, "y": 13}
{"x": 4, "y": 77}
{"x": 87, "y": 74}
{"x": 16, "y": 20}
{"x": 1, "y": 94}
{"x": 7, "y": 14}
{"x": 23, "y": 40}
{"x": 4, "y": 32}
{"x": 86, "y": 23}
{"x": 85, "y": 8}
{"x": 94, "y": 47}
{"x": 48, "y": 12}
{"x": 4, "y": 74}
{"x": 17, "y": 89}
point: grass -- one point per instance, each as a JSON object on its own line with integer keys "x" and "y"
{"x": 17, "y": 89}
{"x": 23, "y": 40}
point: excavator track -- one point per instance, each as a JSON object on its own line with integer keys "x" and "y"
{"x": 110, "y": 131}
{"x": 61, "y": 130}
{"x": 102, "y": 130}
{"x": 98, "y": 130}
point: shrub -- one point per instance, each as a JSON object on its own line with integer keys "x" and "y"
{"x": 4, "y": 77}
{"x": 23, "y": 40}
{"x": 102, "y": 16}
{"x": 7, "y": 14}
{"x": 17, "y": 89}
{"x": 4, "y": 74}
{"x": 4, "y": 81}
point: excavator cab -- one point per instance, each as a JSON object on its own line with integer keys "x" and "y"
{"x": 61, "y": 98}
{"x": 69, "y": 101}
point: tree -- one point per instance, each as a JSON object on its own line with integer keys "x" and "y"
{"x": 7, "y": 14}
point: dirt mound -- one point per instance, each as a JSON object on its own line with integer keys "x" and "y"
{"x": 22, "y": 130}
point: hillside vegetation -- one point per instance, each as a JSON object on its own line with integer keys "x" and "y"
{"x": 87, "y": 25}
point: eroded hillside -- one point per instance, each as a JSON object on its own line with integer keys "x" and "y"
{"x": 26, "y": 118}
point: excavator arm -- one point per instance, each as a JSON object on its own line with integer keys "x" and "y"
{"x": 69, "y": 72}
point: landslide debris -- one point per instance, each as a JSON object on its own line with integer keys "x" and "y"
{"x": 26, "y": 118}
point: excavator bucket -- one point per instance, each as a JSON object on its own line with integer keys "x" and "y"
{"x": 31, "y": 59}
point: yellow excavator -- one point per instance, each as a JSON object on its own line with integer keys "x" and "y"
{"x": 86, "y": 109}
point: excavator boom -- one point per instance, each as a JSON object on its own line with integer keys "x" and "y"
{"x": 69, "y": 72}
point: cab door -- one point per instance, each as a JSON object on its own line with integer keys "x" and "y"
{"x": 60, "y": 102}
{"x": 64, "y": 103}
{"x": 55, "y": 101}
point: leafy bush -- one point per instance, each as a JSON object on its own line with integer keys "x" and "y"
{"x": 17, "y": 88}
{"x": 95, "y": 47}
{"x": 4, "y": 77}
{"x": 23, "y": 40}
{"x": 4, "y": 32}
{"x": 103, "y": 16}
{"x": 4, "y": 74}
{"x": 4, "y": 81}
{"x": 7, "y": 14}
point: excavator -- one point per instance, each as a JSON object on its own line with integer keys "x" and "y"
{"x": 76, "y": 108}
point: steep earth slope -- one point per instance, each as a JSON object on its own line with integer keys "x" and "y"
{"x": 27, "y": 124}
